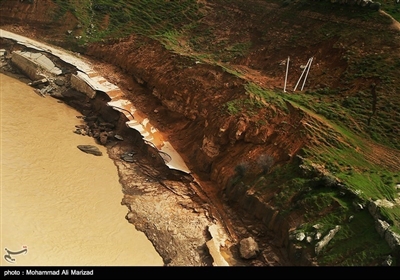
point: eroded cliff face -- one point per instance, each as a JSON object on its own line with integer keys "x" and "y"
{"x": 213, "y": 141}
{"x": 184, "y": 100}
{"x": 38, "y": 19}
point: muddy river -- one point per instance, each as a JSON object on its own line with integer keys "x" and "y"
{"x": 59, "y": 206}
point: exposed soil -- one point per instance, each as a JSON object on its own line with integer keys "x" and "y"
{"x": 182, "y": 98}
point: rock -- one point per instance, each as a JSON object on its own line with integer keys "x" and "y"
{"x": 127, "y": 158}
{"x": 300, "y": 236}
{"x": 57, "y": 95}
{"x": 46, "y": 90}
{"x": 248, "y": 248}
{"x": 95, "y": 133}
{"x": 119, "y": 137}
{"x": 39, "y": 82}
{"x": 321, "y": 244}
{"x": 106, "y": 125}
{"x": 130, "y": 216}
{"x": 317, "y": 226}
{"x": 393, "y": 239}
{"x": 90, "y": 149}
{"x": 103, "y": 137}
{"x": 374, "y": 209}
{"x": 59, "y": 82}
{"x": 214, "y": 249}
{"x": 358, "y": 206}
{"x": 388, "y": 261}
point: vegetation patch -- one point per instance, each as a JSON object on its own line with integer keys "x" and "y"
{"x": 324, "y": 207}
{"x": 145, "y": 17}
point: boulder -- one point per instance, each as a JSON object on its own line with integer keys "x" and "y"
{"x": 59, "y": 82}
{"x": 381, "y": 227}
{"x": 248, "y": 248}
{"x": 393, "y": 239}
{"x": 321, "y": 244}
{"x": 300, "y": 236}
{"x": 388, "y": 261}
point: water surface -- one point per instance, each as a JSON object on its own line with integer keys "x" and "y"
{"x": 61, "y": 204}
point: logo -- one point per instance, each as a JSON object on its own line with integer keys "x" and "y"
{"x": 10, "y": 259}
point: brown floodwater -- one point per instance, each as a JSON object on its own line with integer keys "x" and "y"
{"x": 59, "y": 206}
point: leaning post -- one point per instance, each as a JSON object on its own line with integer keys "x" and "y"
{"x": 308, "y": 70}
{"x": 287, "y": 70}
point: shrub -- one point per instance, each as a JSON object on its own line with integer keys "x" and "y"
{"x": 242, "y": 168}
{"x": 375, "y": 6}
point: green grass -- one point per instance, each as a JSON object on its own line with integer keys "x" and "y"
{"x": 356, "y": 243}
{"x": 146, "y": 17}
{"x": 369, "y": 185}
{"x": 392, "y": 8}
{"x": 366, "y": 180}
{"x": 170, "y": 39}
{"x": 353, "y": 167}
{"x": 355, "y": 111}
{"x": 366, "y": 66}
{"x": 255, "y": 99}
{"x": 362, "y": 177}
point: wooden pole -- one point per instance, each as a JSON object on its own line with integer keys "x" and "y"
{"x": 287, "y": 70}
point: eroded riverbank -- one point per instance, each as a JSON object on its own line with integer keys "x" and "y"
{"x": 166, "y": 204}
{"x": 169, "y": 206}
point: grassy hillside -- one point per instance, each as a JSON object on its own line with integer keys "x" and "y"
{"x": 113, "y": 19}
{"x": 181, "y": 25}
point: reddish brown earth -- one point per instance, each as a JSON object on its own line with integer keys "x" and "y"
{"x": 183, "y": 98}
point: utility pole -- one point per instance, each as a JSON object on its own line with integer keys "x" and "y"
{"x": 301, "y": 76}
{"x": 287, "y": 70}
{"x": 308, "y": 70}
